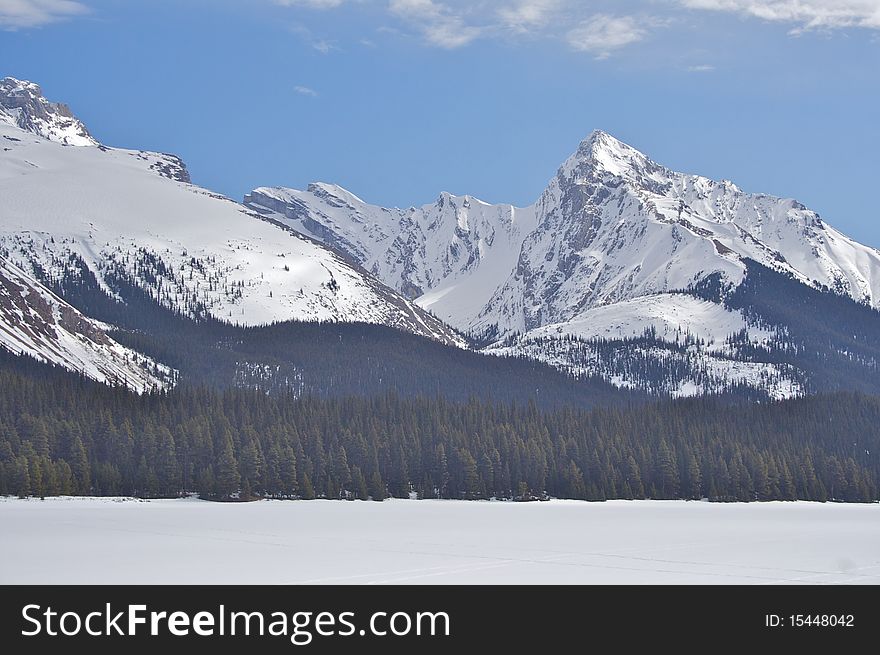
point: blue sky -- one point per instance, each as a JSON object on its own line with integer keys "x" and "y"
{"x": 398, "y": 100}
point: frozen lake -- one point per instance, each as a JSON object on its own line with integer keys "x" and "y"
{"x": 115, "y": 541}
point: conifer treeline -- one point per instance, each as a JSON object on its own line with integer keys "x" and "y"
{"x": 63, "y": 435}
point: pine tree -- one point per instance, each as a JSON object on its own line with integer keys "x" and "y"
{"x": 667, "y": 471}
{"x": 206, "y": 483}
{"x": 308, "y": 490}
{"x": 251, "y": 465}
{"x": 22, "y": 482}
{"x": 288, "y": 472}
{"x": 634, "y": 477}
{"x": 79, "y": 464}
{"x": 359, "y": 483}
{"x": 377, "y": 487}
{"x": 574, "y": 482}
{"x": 694, "y": 478}
{"x": 441, "y": 471}
{"x": 228, "y": 478}
{"x": 167, "y": 466}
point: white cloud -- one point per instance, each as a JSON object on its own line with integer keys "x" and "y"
{"x": 312, "y": 4}
{"x": 306, "y": 91}
{"x": 526, "y": 15}
{"x": 324, "y": 46}
{"x": 602, "y": 34}
{"x": 805, "y": 14}
{"x": 422, "y": 9}
{"x": 16, "y": 14}
{"x": 451, "y": 33}
{"x": 451, "y": 24}
{"x": 701, "y": 68}
{"x": 440, "y": 26}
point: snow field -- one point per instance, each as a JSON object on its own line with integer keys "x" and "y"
{"x": 124, "y": 541}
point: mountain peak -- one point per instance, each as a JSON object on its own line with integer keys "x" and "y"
{"x": 602, "y": 151}
{"x": 600, "y": 141}
{"x": 599, "y": 137}
{"x": 14, "y": 86}
{"x": 22, "y": 104}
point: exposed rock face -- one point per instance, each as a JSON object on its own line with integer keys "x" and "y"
{"x": 615, "y": 246}
{"x": 36, "y": 322}
{"x": 22, "y": 104}
{"x": 457, "y": 249}
{"x": 611, "y": 226}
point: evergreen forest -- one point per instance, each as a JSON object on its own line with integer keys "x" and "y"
{"x": 63, "y": 434}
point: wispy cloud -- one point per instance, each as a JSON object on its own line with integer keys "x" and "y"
{"x": 804, "y": 14}
{"x": 440, "y": 25}
{"x": 527, "y": 15}
{"x": 603, "y": 34}
{"x": 306, "y": 91}
{"x": 701, "y": 68}
{"x": 451, "y": 24}
{"x": 324, "y": 46}
{"x": 19, "y": 14}
{"x": 312, "y": 4}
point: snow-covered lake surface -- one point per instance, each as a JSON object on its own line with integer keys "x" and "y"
{"x": 116, "y": 541}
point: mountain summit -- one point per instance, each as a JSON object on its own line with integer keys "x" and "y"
{"x": 112, "y": 219}
{"x": 606, "y": 252}
{"x": 622, "y": 269}
{"x": 611, "y": 225}
{"x": 604, "y": 153}
{"x": 22, "y": 104}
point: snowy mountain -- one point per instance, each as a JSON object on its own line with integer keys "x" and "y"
{"x": 132, "y": 216}
{"x": 36, "y": 322}
{"x": 452, "y": 255}
{"x": 605, "y": 254}
{"x": 623, "y": 270}
{"x": 613, "y": 226}
{"x": 22, "y": 104}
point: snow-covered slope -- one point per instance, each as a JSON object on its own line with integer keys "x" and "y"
{"x": 612, "y": 230}
{"x": 34, "y": 321}
{"x": 612, "y": 225}
{"x": 128, "y": 213}
{"x": 452, "y": 255}
{"x": 672, "y": 316}
{"x": 689, "y": 341}
{"x": 617, "y": 250}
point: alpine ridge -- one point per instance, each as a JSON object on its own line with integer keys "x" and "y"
{"x": 134, "y": 216}
{"x": 616, "y": 247}
{"x": 623, "y": 271}
{"x": 22, "y": 104}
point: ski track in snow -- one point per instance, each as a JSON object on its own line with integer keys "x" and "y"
{"x": 437, "y": 542}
